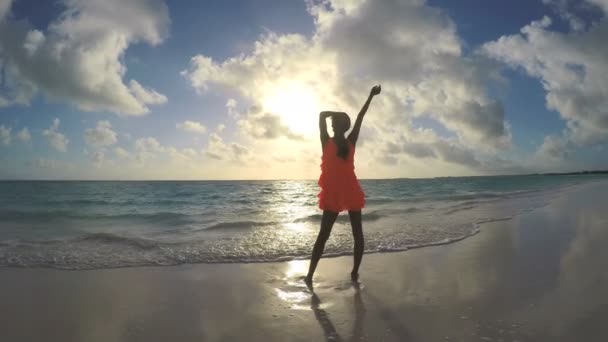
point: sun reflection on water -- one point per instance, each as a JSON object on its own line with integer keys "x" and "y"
{"x": 296, "y": 268}
{"x": 294, "y": 291}
{"x": 292, "y": 297}
{"x": 290, "y": 205}
{"x": 296, "y": 227}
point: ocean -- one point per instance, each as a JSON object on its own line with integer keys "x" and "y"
{"x": 107, "y": 224}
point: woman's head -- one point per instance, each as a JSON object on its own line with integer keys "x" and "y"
{"x": 340, "y": 123}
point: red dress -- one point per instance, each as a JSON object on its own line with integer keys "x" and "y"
{"x": 340, "y": 189}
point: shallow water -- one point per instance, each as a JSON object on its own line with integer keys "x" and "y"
{"x": 84, "y": 225}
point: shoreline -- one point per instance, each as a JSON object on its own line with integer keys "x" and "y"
{"x": 476, "y": 228}
{"x": 79, "y": 252}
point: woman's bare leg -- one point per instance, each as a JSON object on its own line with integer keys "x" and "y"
{"x": 327, "y": 222}
{"x": 357, "y": 226}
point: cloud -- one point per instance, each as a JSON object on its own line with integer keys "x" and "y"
{"x": 573, "y": 70}
{"x": 101, "y": 135}
{"x": 121, "y": 153}
{"x": 266, "y": 126}
{"x": 482, "y": 122}
{"x": 192, "y": 126}
{"x": 33, "y": 40}
{"x": 418, "y": 150}
{"x": 561, "y": 7}
{"x": 149, "y": 147}
{"x": 185, "y": 155}
{"x": 232, "y": 111}
{"x": 217, "y": 149}
{"x": 202, "y": 69}
{"x": 388, "y": 160}
{"x": 251, "y": 76}
{"x": 57, "y": 140}
{"x": 98, "y": 158}
{"x": 554, "y": 147}
{"x": 425, "y": 147}
{"x": 147, "y": 96}
{"x": 146, "y": 148}
{"x": 415, "y": 51}
{"x": 5, "y": 135}
{"x": 24, "y": 135}
{"x": 148, "y": 144}
{"x": 412, "y": 49}
{"x": 5, "y": 6}
{"x": 79, "y": 57}
{"x": 454, "y": 153}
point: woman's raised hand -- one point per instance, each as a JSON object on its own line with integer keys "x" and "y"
{"x": 375, "y": 90}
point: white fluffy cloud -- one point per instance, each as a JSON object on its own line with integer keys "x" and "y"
{"x": 24, "y": 135}
{"x": 57, "y": 140}
{"x": 554, "y": 147}
{"x": 192, "y": 126}
{"x": 219, "y": 150}
{"x": 147, "y": 96}
{"x": 149, "y": 144}
{"x": 183, "y": 155}
{"x": 146, "y": 148}
{"x": 78, "y": 58}
{"x": 101, "y": 135}
{"x": 149, "y": 147}
{"x": 5, "y": 135}
{"x": 256, "y": 77}
{"x": 413, "y": 50}
{"x": 573, "y": 68}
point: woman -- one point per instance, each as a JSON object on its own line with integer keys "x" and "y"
{"x": 340, "y": 189}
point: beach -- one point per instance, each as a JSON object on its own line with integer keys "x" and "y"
{"x": 539, "y": 276}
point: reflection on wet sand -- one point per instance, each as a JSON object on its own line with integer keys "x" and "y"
{"x": 358, "y": 332}
{"x": 329, "y": 330}
{"x": 323, "y": 318}
{"x": 294, "y": 292}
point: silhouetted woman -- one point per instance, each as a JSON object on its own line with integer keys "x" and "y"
{"x": 340, "y": 189}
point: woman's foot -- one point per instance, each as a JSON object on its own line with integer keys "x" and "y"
{"x": 308, "y": 281}
{"x": 354, "y": 276}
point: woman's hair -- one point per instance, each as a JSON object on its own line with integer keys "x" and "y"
{"x": 341, "y": 124}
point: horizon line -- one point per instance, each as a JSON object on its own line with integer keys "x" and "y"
{"x": 583, "y": 172}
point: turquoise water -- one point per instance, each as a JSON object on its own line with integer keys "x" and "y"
{"x": 83, "y": 225}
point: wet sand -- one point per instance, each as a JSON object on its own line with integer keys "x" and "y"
{"x": 541, "y": 276}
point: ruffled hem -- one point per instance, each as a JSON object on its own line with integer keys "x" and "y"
{"x": 339, "y": 201}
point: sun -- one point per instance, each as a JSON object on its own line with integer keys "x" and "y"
{"x": 296, "y": 105}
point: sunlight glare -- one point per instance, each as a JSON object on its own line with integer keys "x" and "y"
{"x": 296, "y": 105}
{"x": 295, "y": 268}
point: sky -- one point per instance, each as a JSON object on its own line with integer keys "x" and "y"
{"x": 152, "y": 89}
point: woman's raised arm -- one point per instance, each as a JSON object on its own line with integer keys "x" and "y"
{"x": 323, "y": 126}
{"x": 354, "y": 134}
